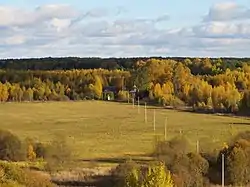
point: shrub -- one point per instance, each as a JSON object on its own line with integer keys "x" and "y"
{"x": 17, "y": 177}
{"x": 168, "y": 100}
{"x": 122, "y": 95}
{"x": 237, "y": 162}
{"x": 12, "y": 172}
{"x": 167, "y": 150}
{"x": 31, "y": 155}
{"x": 40, "y": 150}
{"x": 10, "y": 146}
{"x": 122, "y": 170}
{"x": 36, "y": 179}
{"x": 177, "y": 102}
{"x": 154, "y": 175}
{"x": 242, "y": 135}
{"x": 35, "y": 149}
{"x": 237, "y": 167}
{"x": 190, "y": 169}
{"x": 58, "y": 154}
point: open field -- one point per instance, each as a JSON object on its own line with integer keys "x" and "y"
{"x": 112, "y": 130}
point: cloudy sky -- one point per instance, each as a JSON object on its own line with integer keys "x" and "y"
{"x": 124, "y": 28}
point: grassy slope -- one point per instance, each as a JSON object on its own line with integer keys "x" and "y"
{"x": 106, "y": 130}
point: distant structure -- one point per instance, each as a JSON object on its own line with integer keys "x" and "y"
{"x": 134, "y": 92}
{"x": 109, "y": 93}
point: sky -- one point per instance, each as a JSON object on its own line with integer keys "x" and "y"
{"x": 124, "y": 28}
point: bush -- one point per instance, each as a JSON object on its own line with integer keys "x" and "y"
{"x": 40, "y": 150}
{"x": 122, "y": 95}
{"x": 35, "y": 149}
{"x": 122, "y": 170}
{"x": 178, "y": 102}
{"x": 13, "y": 175}
{"x": 154, "y": 175}
{"x": 190, "y": 169}
{"x": 167, "y": 150}
{"x": 130, "y": 174}
{"x": 58, "y": 154}
{"x": 31, "y": 155}
{"x": 10, "y": 147}
{"x": 170, "y": 100}
{"x": 36, "y": 179}
{"x": 237, "y": 162}
{"x": 242, "y": 135}
{"x": 12, "y": 172}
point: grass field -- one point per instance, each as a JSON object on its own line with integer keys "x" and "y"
{"x": 111, "y": 130}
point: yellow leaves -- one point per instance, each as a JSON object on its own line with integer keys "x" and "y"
{"x": 97, "y": 87}
{"x": 160, "y": 71}
{"x": 164, "y": 90}
{"x": 158, "y": 91}
{"x": 132, "y": 179}
{"x": 4, "y": 94}
{"x": 225, "y": 145}
{"x": 156, "y": 176}
{"x": 31, "y": 153}
{"x": 168, "y": 88}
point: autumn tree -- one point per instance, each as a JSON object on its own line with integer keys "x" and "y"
{"x": 155, "y": 175}
{"x": 4, "y": 94}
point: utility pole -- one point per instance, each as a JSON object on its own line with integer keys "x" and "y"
{"x": 145, "y": 113}
{"x": 165, "y": 132}
{"x": 223, "y": 170}
{"x": 154, "y": 120}
{"x": 197, "y": 147}
{"x": 138, "y": 105}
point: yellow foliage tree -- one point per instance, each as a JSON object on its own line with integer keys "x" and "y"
{"x": 168, "y": 88}
{"x": 98, "y": 87}
{"x": 31, "y": 153}
{"x": 4, "y": 94}
{"x": 156, "y": 176}
{"x": 158, "y": 91}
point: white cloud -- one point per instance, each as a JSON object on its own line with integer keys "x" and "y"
{"x": 10, "y": 16}
{"x": 223, "y": 30}
{"x": 14, "y": 40}
{"x": 61, "y": 30}
{"x": 227, "y": 11}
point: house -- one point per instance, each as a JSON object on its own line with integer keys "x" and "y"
{"x": 109, "y": 92}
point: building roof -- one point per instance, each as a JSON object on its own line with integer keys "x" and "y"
{"x": 109, "y": 89}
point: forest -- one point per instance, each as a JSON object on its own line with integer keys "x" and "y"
{"x": 205, "y": 84}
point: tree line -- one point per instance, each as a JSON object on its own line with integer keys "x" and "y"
{"x": 68, "y": 63}
{"x": 206, "y": 84}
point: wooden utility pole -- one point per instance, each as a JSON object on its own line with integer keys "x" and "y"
{"x": 145, "y": 113}
{"x": 154, "y": 120}
{"x": 138, "y": 104}
{"x": 223, "y": 171}
{"x": 165, "y": 131}
{"x": 197, "y": 146}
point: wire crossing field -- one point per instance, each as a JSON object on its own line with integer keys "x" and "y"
{"x": 107, "y": 130}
